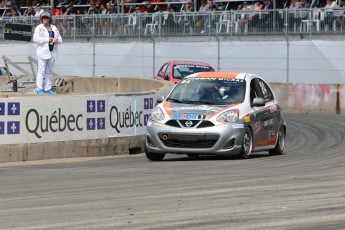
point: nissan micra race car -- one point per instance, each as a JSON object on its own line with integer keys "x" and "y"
{"x": 216, "y": 113}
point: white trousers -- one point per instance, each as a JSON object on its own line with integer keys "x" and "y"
{"x": 44, "y": 73}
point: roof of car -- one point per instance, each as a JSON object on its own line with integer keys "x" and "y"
{"x": 190, "y": 63}
{"x": 233, "y": 75}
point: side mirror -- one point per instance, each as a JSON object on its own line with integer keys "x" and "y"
{"x": 258, "y": 101}
{"x": 160, "y": 99}
{"x": 166, "y": 77}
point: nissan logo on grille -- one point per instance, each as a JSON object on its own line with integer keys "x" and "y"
{"x": 189, "y": 123}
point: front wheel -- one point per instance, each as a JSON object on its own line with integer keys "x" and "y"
{"x": 279, "y": 148}
{"x": 154, "y": 156}
{"x": 247, "y": 144}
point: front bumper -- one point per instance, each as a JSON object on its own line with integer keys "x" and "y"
{"x": 215, "y": 140}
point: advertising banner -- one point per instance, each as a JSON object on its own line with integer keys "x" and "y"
{"x": 61, "y": 118}
{"x": 128, "y": 116}
{"x": 19, "y": 32}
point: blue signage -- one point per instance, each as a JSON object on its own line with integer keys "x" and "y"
{"x": 148, "y": 103}
{"x": 146, "y": 119}
{"x": 101, "y": 123}
{"x": 101, "y": 106}
{"x": 91, "y": 123}
{"x": 91, "y": 106}
{"x": 2, "y": 128}
{"x": 13, "y": 108}
{"x": 13, "y": 127}
{"x": 2, "y": 108}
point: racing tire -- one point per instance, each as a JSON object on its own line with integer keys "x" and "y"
{"x": 279, "y": 148}
{"x": 247, "y": 145}
{"x": 154, "y": 156}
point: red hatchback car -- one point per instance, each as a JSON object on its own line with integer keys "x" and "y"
{"x": 174, "y": 71}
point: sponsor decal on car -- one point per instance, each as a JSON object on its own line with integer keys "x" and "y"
{"x": 247, "y": 119}
{"x": 179, "y": 116}
{"x": 238, "y": 126}
{"x": 273, "y": 108}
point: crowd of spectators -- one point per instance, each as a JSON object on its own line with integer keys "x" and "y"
{"x": 33, "y": 7}
{"x": 14, "y": 8}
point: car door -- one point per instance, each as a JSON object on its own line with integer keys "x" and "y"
{"x": 271, "y": 122}
{"x": 260, "y": 117}
{"x": 267, "y": 116}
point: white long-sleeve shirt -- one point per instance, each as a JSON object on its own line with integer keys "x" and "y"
{"x": 41, "y": 37}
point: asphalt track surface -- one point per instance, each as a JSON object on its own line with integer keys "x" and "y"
{"x": 303, "y": 189}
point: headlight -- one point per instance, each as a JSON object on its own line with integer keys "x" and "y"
{"x": 229, "y": 116}
{"x": 157, "y": 114}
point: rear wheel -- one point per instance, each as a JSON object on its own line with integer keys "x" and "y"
{"x": 247, "y": 144}
{"x": 154, "y": 156}
{"x": 279, "y": 148}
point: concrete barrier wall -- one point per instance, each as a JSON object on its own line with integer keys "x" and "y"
{"x": 117, "y": 85}
{"x": 3, "y": 81}
{"x": 69, "y": 149}
{"x": 309, "y": 98}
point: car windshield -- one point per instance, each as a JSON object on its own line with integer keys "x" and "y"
{"x": 209, "y": 91}
{"x": 181, "y": 71}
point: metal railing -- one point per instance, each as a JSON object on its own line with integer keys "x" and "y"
{"x": 227, "y": 23}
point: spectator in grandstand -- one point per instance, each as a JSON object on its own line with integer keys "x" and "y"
{"x": 330, "y": 5}
{"x": 92, "y": 9}
{"x": 267, "y": 16}
{"x": 14, "y": 12}
{"x": 243, "y": 17}
{"x": 57, "y": 11}
{"x": 294, "y": 17}
{"x": 341, "y": 14}
{"x": 304, "y": 4}
{"x": 294, "y": 5}
{"x": 169, "y": 22}
{"x": 203, "y": 7}
{"x": 29, "y": 11}
{"x": 47, "y": 38}
{"x": 329, "y": 17}
{"x": 110, "y": 8}
{"x": 38, "y": 10}
{"x": 70, "y": 10}
{"x": 254, "y": 18}
{"x": 148, "y": 8}
{"x": 267, "y": 5}
{"x": 200, "y": 20}
{"x": 8, "y": 3}
{"x": 2, "y": 4}
{"x": 188, "y": 6}
{"x": 103, "y": 8}
{"x": 212, "y": 20}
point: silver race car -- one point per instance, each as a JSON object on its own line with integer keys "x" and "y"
{"x": 216, "y": 113}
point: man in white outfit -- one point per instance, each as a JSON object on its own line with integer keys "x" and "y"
{"x": 47, "y": 38}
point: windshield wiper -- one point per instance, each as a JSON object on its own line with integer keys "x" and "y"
{"x": 199, "y": 102}
{"x": 174, "y": 100}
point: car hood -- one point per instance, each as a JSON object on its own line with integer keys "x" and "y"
{"x": 193, "y": 111}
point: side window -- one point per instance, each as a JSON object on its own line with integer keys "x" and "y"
{"x": 161, "y": 72}
{"x": 254, "y": 92}
{"x": 266, "y": 91}
{"x": 167, "y": 72}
